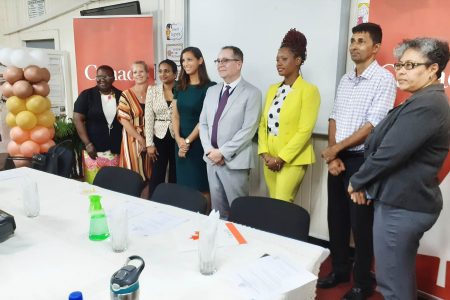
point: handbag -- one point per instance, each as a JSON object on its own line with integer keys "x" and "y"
{"x": 58, "y": 160}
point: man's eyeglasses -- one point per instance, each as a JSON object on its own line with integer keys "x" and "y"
{"x": 408, "y": 65}
{"x": 224, "y": 60}
{"x": 100, "y": 77}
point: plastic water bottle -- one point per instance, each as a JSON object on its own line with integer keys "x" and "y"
{"x": 98, "y": 230}
{"x": 76, "y": 296}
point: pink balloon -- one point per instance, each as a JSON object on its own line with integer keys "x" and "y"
{"x": 19, "y": 135}
{"x": 40, "y": 134}
{"x": 52, "y": 132}
{"x": 13, "y": 148}
{"x": 6, "y": 89}
{"x": 45, "y": 146}
{"x": 28, "y": 148}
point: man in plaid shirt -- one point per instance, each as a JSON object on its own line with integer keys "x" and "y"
{"x": 363, "y": 98}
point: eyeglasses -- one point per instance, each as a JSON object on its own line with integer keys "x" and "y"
{"x": 408, "y": 65}
{"x": 100, "y": 77}
{"x": 225, "y": 60}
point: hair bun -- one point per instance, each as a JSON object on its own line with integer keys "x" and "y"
{"x": 296, "y": 41}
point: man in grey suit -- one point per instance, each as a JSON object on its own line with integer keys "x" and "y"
{"x": 228, "y": 122}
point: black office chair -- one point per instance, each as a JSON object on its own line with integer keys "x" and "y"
{"x": 120, "y": 180}
{"x": 180, "y": 196}
{"x": 272, "y": 215}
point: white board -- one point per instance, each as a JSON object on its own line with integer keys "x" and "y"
{"x": 257, "y": 27}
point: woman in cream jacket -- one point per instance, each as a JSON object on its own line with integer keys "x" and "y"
{"x": 158, "y": 125}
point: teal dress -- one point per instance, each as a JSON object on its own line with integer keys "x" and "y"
{"x": 191, "y": 171}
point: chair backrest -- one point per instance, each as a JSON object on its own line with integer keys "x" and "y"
{"x": 272, "y": 215}
{"x": 119, "y": 180}
{"x": 180, "y": 196}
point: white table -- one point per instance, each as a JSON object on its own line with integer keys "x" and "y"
{"x": 50, "y": 255}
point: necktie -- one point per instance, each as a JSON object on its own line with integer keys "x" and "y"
{"x": 222, "y": 102}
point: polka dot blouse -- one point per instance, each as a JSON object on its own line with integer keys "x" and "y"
{"x": 273, "y": 118}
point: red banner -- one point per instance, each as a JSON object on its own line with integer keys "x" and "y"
{"x": 113, "y": 41}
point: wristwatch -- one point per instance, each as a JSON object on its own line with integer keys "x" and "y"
{"x": 187, "y": 141}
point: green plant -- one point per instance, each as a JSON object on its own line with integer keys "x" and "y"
{"x": 65, "y": 130}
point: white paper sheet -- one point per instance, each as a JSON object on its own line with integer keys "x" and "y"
{"x": 268, "y": 277}
{"x": 154, "y": 223}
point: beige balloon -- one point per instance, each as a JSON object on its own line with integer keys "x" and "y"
{"x": 22, "y": 89}
{"x": 33, "y": 74}
{"x": 41, "y": 88}
{"x": 45, "y": 73}
{"x": 13, "y": 74}
{"x": 6, "y": 89}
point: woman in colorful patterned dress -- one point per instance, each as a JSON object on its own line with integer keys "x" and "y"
{"x": 131, "y": 112}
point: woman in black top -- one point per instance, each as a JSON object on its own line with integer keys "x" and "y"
{"x": 95, "y": 119}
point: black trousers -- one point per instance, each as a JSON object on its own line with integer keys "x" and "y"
{"x": 166, "y": 159}
{"x": 344, "y": 215}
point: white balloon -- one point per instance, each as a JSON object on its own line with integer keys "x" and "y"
{"x": 39, "y": 58}
{"x": 20, "y": 58}
{"x": 5, "y": 56}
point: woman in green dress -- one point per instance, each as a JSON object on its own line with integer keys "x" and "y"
{"x": 189, "y": 95}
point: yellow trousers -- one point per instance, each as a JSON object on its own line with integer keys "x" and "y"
{"x": 283, "y": 184}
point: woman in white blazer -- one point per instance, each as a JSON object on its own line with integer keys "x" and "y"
{"x": 158, "y": 125}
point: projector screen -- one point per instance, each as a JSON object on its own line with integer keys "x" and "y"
{"x": 257, "y": 27}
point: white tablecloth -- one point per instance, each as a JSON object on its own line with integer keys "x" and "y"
{"x": 50, "y": 255}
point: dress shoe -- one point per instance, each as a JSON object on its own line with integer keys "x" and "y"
{"x": 356, "y": 293}
{"x": 332, "y": 280}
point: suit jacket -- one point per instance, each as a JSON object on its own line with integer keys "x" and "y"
{"x": 405, "y": 152}
{"x": 237, "y": 124}
{"x": 158, "y": 116}
{"x": 298, "y": 116}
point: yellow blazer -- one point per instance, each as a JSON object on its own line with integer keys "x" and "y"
{"x": 298, "y": 116}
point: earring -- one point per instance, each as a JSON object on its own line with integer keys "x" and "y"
{"x": 429, "y": 77}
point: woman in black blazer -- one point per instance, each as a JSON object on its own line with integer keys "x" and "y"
{"x": 403, "y": 157}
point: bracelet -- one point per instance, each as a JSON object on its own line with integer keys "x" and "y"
{"x": 88, "y": 144}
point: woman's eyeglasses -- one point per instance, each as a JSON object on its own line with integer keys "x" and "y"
{"x": 408, "y": 65}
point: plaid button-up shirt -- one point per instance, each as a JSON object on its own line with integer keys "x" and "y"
{"x": 362, "y": 99}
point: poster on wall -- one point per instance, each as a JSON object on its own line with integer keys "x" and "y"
{"x": 174, "y": 37}
{"x": 116, "y": 41}
{"x": 417, "y": 19}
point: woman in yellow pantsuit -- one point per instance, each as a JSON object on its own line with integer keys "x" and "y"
{"x": 289, "y": 115}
